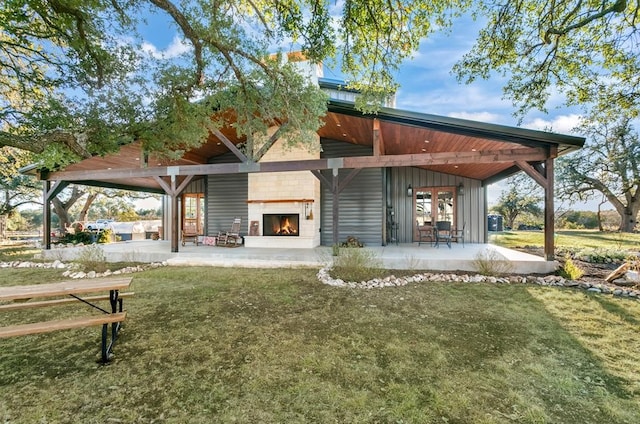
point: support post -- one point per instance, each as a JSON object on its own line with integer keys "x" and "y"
{"x": 549, "y": 220}
{"x": 335, "y": 192}
{"x": 46, "y": 215}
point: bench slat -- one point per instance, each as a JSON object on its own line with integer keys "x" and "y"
{"x": 63, "y": 288}
{"x": 27, "y": 305}
{"x": 48, "y": 326}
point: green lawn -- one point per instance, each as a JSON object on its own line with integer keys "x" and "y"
{"x": 209, "y": 345}
{"x": 569, "y": 239}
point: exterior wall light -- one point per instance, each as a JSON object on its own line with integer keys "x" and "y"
{"x": 409, "y": 191}
{"x": 461, "y": 189}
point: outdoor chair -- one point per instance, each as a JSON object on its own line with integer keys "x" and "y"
{"x": 190, "y": 233}
{"x": 443, "y": 233}
{"x": 458, "y": 235}
{"x": 232, "y": 237}
{"x": 425, "y": 232}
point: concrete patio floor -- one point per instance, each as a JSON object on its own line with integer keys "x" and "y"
{"x": 403, "y": 256}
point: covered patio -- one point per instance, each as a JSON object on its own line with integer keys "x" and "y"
{"x": 400, "y": 256}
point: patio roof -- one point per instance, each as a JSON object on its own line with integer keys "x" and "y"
{"x": 486, "y": 152}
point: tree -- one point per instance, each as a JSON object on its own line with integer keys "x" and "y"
{"x": 102, "y": 201}
{"x": 608, "y": 165}
{"x": 584, "y": 49}
{"x": 521, "y": 198}
{"x": 16, "y": 189}
{"x": 75, "y": 81}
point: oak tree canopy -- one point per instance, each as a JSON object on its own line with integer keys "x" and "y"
{"x": 76, "y": 80}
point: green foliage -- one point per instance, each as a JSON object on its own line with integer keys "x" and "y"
{"x": 570, "y": 270}
{"x": 579, "y": 49}
{"x": 594, "y": 255}
{"x": 16, "y": 189}
{"x": 82, "y": 237}
{"x": 121, "y": 93}
{"x": 606, "y": 168}
{"x": 574, "y": 220}
{"x": 356, "y": 264}
{"x": 105, "y": 236}
{"x": 522, "y": 198}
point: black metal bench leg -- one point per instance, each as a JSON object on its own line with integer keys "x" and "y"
{"x": 105, "y": 349}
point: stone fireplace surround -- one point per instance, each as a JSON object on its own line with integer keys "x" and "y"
{"x": 296, "y": 192}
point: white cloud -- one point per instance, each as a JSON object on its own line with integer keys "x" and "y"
{"x": 176, "y": 48}
{"x": 560, "y": 124}
{"x": 476, "y": 116}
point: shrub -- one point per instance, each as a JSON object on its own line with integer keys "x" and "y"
{"x": 105, "y": 236}
{"x": 92, "y": 258}
{"x": 84, "y": 237}
{"x": 490, "y": 262}
{"x": 590, "y": 255}
{"x": 570, "y": 270}
{"x": 354, "y": 264}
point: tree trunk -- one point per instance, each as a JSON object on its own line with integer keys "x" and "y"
{"x": 599, "y": 215}
{"x": 87, "y": 204}
{"x": 62, "y": 208}
{"x": 629, "y": 214}
{"x": 627, "y": 223}
{"x": 63, "y": 214}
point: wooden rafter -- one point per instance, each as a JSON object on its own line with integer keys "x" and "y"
{"x": 228, "y": 143}
{"x": 378, "y": 142}
{"x": 265, "y": 148}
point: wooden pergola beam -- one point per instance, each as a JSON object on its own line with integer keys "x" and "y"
{"x": 544, "y": 176}
{"x": 422, "y": 159}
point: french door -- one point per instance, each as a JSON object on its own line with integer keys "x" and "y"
{"x": 193, "y": 211}
{"x": 432, "y": 204}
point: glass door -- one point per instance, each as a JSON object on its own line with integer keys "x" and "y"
{"x": 193, "y": 212}
{"x": 432, "y": 204}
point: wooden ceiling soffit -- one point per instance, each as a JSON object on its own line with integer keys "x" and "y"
{"x": 129, "y": 185}
{"x": 423, "y": 159}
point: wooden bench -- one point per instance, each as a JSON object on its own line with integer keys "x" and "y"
{"x": 54, "y": 302}
{"x": 22, "y": 298}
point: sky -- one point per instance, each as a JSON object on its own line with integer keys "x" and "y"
{"x": 427, "y": 84}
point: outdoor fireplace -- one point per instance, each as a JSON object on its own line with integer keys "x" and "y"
{"x": 280, "y": 224}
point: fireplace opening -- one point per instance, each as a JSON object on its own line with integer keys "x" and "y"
{"x": 280, "y": 225}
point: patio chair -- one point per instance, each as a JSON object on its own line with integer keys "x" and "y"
{"x": 190, "y": 233}
{"x": 443, "y": 233}
{"x": 232, "y": 237}
{"x": 458, "y": 235}
{"x": 425, "y": 232}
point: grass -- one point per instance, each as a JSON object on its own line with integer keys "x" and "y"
{"x": 204, "y": 345}
{"x": 569, "y": 239}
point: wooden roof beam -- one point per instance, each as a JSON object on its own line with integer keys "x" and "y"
{"x": 378, "y": 142}
{"x": 422, "y": 159}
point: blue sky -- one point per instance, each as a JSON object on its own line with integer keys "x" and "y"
{"x": 426, "y": 83}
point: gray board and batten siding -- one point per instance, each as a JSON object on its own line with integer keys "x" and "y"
{"x": 362, "y": 203}
{"x": 227, "y": 196}
{"x": 361, "y": 212}
{"x": 470, "y": 205}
